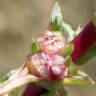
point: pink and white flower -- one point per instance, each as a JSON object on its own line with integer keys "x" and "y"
{"x": 47, "y": 66}
{"x": 51, "y": 42}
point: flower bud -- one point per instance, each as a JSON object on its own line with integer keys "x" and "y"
{"x": 47, "y": 66}
{"x": 51, "y": 42}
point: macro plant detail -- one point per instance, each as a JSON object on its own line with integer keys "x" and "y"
{"x": 53, "y": 60}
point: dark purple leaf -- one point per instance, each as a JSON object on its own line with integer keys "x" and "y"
{"x": 84, "y": 42}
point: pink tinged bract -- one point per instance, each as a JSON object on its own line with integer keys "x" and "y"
{"x": 47, "y": 66}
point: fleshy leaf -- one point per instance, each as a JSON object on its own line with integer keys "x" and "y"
{"x": 91, "y": 53}
{"x": 34, "y": 47}
{"x": 67, "y": 50}
{"x": 56, "y": 87}
{"x": 78, "y": 30}
{"x": 56, "y": 18}
{"x": 16, "y": 80}
{"x": 50, "y": 85}
{"x": 68, "y": 32}
{"x": 72, "y": 68}
{"x": 7, "y": 76}
{"x": 83, "y": 43}
{"x": 81, "y": 78}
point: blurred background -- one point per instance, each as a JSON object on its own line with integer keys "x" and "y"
{"x": 22, "y": 19}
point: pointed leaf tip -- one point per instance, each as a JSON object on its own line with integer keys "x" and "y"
{"x": 56, "y": 18}
{"x": 56, "y": 8}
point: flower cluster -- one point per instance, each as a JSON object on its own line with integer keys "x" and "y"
{"x": 50, "y": 60}
{"x": 48, "y": 63}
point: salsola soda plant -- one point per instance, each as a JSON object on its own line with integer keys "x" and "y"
{"x": 53, "y": 60}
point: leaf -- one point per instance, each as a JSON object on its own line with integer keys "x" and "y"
{"x": 83, "y": 43}
{"x": 72, "y": 68}
{"x": 56, "y": 18}
{"x": 90, "y": 54}
{"x": 55, "y": 88}
{"x": 68, "y": 32}
{"x": 67, "y": 50}
{"x": 16, "y": 80}
{"x": 78, "y": 30}
{"x": 12, "y": 84}
{"x": 7, "y": 76}
{"x": 16, "y": 92}
{"x": 81, "y": 78}
{"x": 50, "y": 85}
{"x": 34, "y": 47}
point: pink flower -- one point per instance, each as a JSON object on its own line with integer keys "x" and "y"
{"x": 46, "y": 63}
{"x": 51, "y": 42}
{"x": 47, "y": 66}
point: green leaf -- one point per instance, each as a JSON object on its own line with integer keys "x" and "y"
{"x": 51, "y": 85}
{"x": 35, "y": 47}
{"x": 72, "y": 68}
{"x": 78, "y": 30}
{"x": 67, "y": 50}
{"x": 56, "y": 18}
{"x": 55, "y": 88}
{"x": 90, "y": 54}
{"x": 68, "y": 32}
{"x": 7, "y": 76}
{"x": 81, "y": 78}
{"x": 15, "y": 92}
